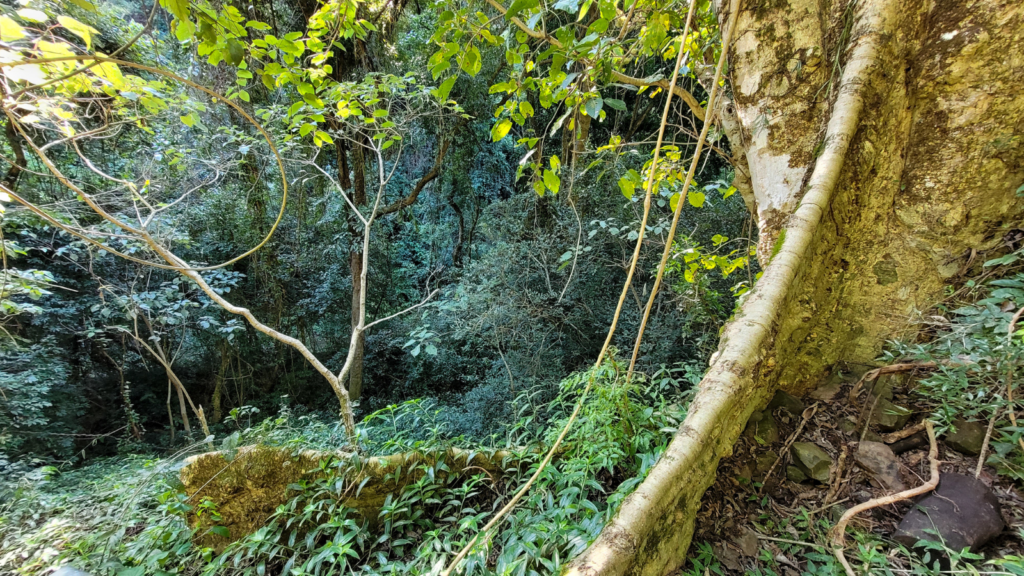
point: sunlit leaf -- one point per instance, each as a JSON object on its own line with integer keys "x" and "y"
{"x": 10, "y": 30}
{"x": 445, "y": 89}
{"x": 33, "y": 15}
{"x": 552, "y": 181}
{"x": 500, "y": 129}
{"x": 83, "y": 31}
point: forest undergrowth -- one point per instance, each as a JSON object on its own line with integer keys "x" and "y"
{"x": 958, "y": 366}
{"x": 130, "y": 516}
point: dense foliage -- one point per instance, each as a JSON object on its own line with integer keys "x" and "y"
{"x": 525, "y": 277}
{"x": 126, "y": 515}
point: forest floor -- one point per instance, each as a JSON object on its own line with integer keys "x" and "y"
{"x": 761, "y": 520}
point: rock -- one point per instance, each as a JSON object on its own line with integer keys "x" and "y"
{"x": 879, "y": 461}
{"x": 787, "y": 402}
{"x": 963, "y": 512}
{"x": 848, "y": 425}
{"x": 811, "y": 460}
{"x": 794, "y": 474}
{"x": 836, "y": 513}
{"x": 967, "y": 438}
{"x": 746, "y": 541}
{"x": 914, "y": 442}
{"x": 890, "y": 417}
{"x": 764, "y": 463}
{"x": 882, "y": 387}
{"x": 762, "y": 428}
{"x": 829, "y": 390}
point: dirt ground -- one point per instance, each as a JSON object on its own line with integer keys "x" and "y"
{"x": 755, "y": 519}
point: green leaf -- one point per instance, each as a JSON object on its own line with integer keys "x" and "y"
{"x": 221, "y": 531}
{"x": 627, "y": 187}
{"x": 445, "y": 88}
{"x": 431, "y": 349}
{"x": 235, "y": 52}
{"x": 584, "y": 10}
{"x": 472, "y": 61}
{"x": 520, "y": 5}
{"x": 33, "y": 15}
{"x": 673, "y": 202}
{"x": 189, "y": 120}
{"x": 696, "y": 199}
{"x": 185, "y": 30}
{"x": 526, "y": 109}
{"x": 10, "y": 30}
{"x": 593, "y": 106}
{"x": 179, "y": 8}
{"x": 500, "y": 129}
{"x": 84, "y": 5}
{"x": 615, "y": 103}
{"x": 552, "y": 181}
{"x": 83, "y": 31}
{"x": 324, "y": 136}
{"x": 729, "y": 192}
{"x": 570, "y": 6}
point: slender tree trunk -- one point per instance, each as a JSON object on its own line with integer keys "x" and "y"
{"x": 218, "y": 383}
{"x": 13, "y": 139}
{"x": 181, "y": 406}
{"x": 170, "y": 412}
{"x": 355, "y": 377}
{"x": 870, "y": 132}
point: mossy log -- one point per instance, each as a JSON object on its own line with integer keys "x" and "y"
{"x": 245, "y": 486}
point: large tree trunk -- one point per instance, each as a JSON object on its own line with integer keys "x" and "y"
{"x": 882, "y": 144}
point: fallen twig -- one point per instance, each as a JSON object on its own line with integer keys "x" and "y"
{"x": 806, "y": 416}
{"x": 905, "y": 433}
{"x": 872, "y": 375}
{"x": 984, "y": 443}
{"x": 839, "y": 532}
{"x": 837, "y": 481}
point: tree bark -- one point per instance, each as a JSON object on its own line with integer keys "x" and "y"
{"x": 881, "y": 140}
{"x": 217, "y": 398}
{"x": 355, "y": 376}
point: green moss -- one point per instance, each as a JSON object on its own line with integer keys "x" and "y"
{"x": 885, "y": 272}
{"x": 778, "y": 244}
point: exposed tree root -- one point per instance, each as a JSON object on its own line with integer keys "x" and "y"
{"x": 839, "y": 532}
{"x": 652, "y": 529}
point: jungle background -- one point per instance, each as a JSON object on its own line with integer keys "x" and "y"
{"x": 506, "y": 207}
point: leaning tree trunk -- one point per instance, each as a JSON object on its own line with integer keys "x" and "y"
{"x": 882, "y": 141}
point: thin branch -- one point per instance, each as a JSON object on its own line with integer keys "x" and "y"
{"x": 397, "y": 314}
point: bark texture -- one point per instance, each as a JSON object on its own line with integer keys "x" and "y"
{"x": 882, "y": 144}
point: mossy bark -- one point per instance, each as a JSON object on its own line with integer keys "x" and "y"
{"x": 247, "y": 485}
{"x": 873, "y": 181}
